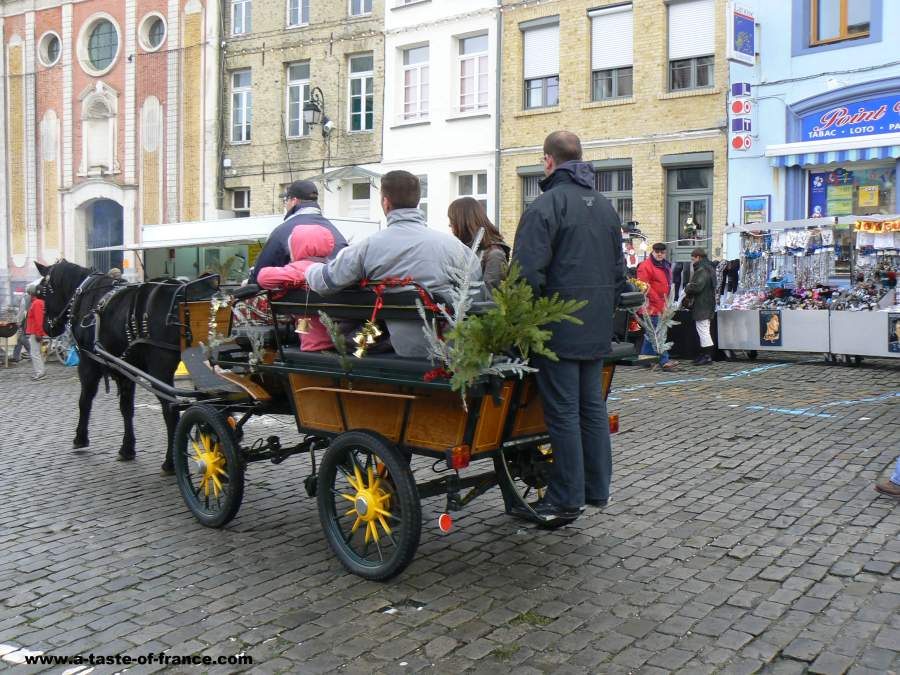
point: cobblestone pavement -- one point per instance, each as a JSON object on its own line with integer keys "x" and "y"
{"x": 744, "y": 536}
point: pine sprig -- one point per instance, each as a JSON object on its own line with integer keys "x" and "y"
{"x": 506, "y": 336}
{"x": 337, "y": 338}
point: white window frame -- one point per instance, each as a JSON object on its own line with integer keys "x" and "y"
{"x": 422, "y": 103}
{"x": 246, "y": 11}
{"x": 362, "y": 5}
{"x": 476, "y": 195}
{"x": 302, "y": 13}
{"x": 359, "y": 208}
{"x": 367, "y": 76}
{"x": 234, "y": 200}
{"x": 245, "y": 95}
{"x": 423, "y": 196}
{"x": 303, "y": 85}
{"x": 476, "y": 59}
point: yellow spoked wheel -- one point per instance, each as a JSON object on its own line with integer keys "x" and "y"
{"x": 208, "y": 465}
{"x": 368, "y": 505}
{"x": 209, "y": 462}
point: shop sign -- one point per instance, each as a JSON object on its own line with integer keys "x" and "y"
{"x": 854, "y": 118}
{"x": 741, "y": 116}
{"x": 741, "y": 34}
{"x": 770, "y": 328}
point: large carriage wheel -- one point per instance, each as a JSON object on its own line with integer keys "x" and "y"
{"x": 208, "y": 465}
{"x": 523, "y": 475}
{"x": 369, "y": 505}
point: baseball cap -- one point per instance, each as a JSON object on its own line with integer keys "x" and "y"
{"x": 304, "y": 190}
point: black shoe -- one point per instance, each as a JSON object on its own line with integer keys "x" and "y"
{"x": 597, "y": 503}
{"x": 703, "y": 360}
{"x": 548, "y": 511}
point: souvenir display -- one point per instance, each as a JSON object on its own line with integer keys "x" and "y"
{"x": 793, "y": 296}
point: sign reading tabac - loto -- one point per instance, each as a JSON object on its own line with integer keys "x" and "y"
{"x": 858, "y": 118}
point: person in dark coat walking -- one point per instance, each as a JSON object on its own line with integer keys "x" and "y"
{"x": 569, "y": 241}
{"x": 302, "y": 209}
{"x": 467, "y": 217}
{"x": 701, "y": 295}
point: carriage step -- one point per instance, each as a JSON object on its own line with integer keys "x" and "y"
{"x": 205, "y": 379}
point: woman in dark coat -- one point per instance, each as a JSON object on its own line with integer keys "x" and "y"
{"x": 701, "y": 293}
{"x": 467, "y": 216}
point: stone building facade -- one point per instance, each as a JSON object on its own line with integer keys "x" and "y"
{"x": 644, "y": 84}
{"x": 276, "y": 52}
{"x": 109, "y": 112}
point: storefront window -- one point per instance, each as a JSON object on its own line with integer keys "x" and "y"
{"x": 857, "y": 192}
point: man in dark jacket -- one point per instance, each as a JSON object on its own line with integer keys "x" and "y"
{"x": 569, "y": 242}
{"x": 701, "y": 294}
{"x": 302, "y": 209}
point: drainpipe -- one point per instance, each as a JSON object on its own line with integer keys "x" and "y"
{"x": 497, "y": 103}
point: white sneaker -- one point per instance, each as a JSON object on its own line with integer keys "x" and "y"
{"x": 39, "y": 377}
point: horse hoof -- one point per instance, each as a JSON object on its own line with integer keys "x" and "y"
{"x": 79, "y": 444}
{"x": 125, "y": 456}
{"x": 168, "y": 469}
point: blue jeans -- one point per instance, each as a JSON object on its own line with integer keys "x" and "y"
{"x": 647, "y": 348}
{"x": 896, "y": 477}
{"x": 577, "y": 421}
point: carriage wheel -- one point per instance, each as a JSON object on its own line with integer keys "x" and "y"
{"x": 208, "y": 466}
{"x": 523, "y": 475}
{"x": 369, "y": 506}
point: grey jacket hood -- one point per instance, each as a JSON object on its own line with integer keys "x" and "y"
{"x": 578, "y": 172}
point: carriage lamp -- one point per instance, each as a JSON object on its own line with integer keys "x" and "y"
{"x": 459, "y": 457}
{"x": 314, "y": 112}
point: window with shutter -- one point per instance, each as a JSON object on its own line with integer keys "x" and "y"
{"x": 612, "y": 50}
{"x": 692, "y": 44}
{"x": 541, "y": 66}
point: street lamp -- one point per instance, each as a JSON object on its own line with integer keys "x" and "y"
{"x": 314, "y": 112}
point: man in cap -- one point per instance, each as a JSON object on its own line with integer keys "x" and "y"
{"x": 300, "y": 198}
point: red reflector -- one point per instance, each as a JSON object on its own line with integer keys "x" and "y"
{"x": 613, "y": 424}
{"x": 445, "y": 522}
{"x": 460, "y": 456}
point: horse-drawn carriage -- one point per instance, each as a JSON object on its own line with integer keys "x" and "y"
{"x": 366, "y": 417}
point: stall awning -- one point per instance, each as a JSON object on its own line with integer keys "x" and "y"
{"x": 229, "y": 232}
{"x": 884, "y": 146}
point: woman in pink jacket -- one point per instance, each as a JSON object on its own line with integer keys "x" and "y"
{"x": 309, "y": 244}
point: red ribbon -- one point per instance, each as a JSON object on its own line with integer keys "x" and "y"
{"x": 436, "y": 373}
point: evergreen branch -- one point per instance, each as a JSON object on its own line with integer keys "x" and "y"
{"x": 337, "y": 338}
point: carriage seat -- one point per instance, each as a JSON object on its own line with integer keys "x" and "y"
{"x": 265, "y": 333}
{"x": 380, "y": 365}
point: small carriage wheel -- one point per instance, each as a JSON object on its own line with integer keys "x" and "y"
{"x": 208, "y": 466}
{"x": 523, "y": 474}
{"x": 369, "y": 505}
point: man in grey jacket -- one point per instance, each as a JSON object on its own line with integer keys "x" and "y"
{"x": 406, "y": 248}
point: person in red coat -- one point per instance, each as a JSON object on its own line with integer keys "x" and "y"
{"x": 34, "y": 329}
{"x": 656, "y": 272}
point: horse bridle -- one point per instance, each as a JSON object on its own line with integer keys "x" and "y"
{"x": 67, "y": 310}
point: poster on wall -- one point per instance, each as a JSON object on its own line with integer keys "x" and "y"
{"x": 755, "y": 209}
{"x": 868, "y": 196}
{"x": 817, "y": 196}
{"x": 770, "y": 328}
{"x": 840, "y": 200}
{"x": 894, "y": 333}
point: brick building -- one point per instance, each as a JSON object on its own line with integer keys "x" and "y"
{"x": 644, "y": 85}
{"x": 278, "y": 52}
{"x": 109, "y": 111}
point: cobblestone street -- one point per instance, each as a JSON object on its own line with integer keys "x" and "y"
{"x": 744, "y": 536}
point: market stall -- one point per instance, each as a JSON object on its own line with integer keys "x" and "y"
{"x": 824, "y": 285}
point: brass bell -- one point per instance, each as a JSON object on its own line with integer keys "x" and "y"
{"x": 302, "y": 326}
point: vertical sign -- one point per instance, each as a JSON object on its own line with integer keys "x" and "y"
{"x": 741, "y": 110}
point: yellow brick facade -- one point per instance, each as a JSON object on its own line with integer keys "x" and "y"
{"x": 271, "y": 161}
{"x": 16, "y": 150}
{"x": 192, "y": 150}
{"x": 643, "y": 128}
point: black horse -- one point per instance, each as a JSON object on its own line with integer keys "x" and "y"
{"x": 129, "y": 321}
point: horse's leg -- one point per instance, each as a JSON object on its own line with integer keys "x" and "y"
{"x": 89, "y": 374}
{"x": 171, "y": 415}
{"x": 126, "y": 407}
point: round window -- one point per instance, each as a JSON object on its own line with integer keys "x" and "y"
{"x": 152, "y": 32}
{"x": 49, "y": 49}
{"x": 103, "y": 44}
{"x": 156, "y": 32}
